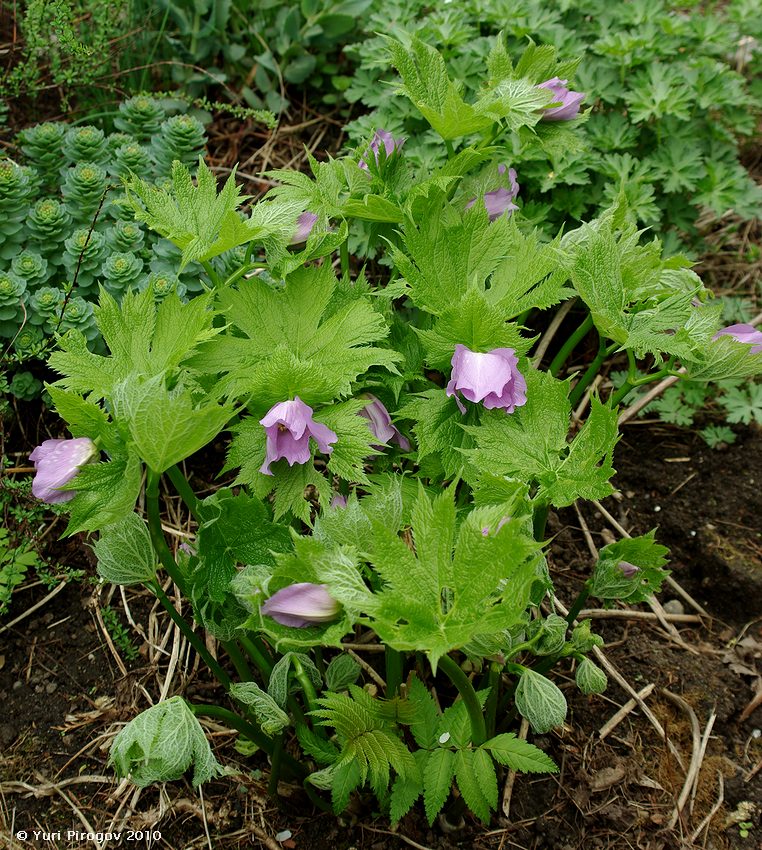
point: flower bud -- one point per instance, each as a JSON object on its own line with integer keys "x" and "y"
{"x": 57, "y": 462}
{"x": 300, "y": 605}
{"x": 627, "y": 569}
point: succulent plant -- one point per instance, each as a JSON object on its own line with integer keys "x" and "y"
{"x": 79, "y": 314}
{"x": 165, "y": 284}
{"x": 48, "y": 223}
{"x": 121, "y": 271}
{"x": 31, "y": 268}
{"x": 116, "y": 140}
{"x": 12, "y": 291}
{"x": 141, "y": 117}
{"x": 181, "y": 137}
{"x": 43, "y": 147}
{"x": 29, "y": 342}
{"x": 125, "y": 236}
{"x": 44, "y": 304}
{"x": 131, "y": 157}
{"x": 91, "y": 248}
{"x": 82, "y": 188}
{"x": 85, "y": 144}
{"x": 15, "y": 194}
{"x": 25, "y": 386}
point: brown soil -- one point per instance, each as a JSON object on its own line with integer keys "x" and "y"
{"x": 65, "y": 695}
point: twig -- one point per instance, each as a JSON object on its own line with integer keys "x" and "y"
{"x": 586, "y": 531}
{"x": 368, "y": 669}
{"x": 617, "y": 718}
{"x": 704, "y": 742}
{"x": 270, "y": 843}
{"x": 551, "y": 332}
{"x": 47, "y": 789}
{"x": 77, "y": 811}
{"x": 57, "y": 589}
{"x": 695, "y": 764}
{"x": 511, "y": 778}
{"x": 629, "y": 614}
{"x": 396, "y": 835}
{"x": 577, "y": 415}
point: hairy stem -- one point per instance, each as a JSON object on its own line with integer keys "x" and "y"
{"x": 180, "y": 483}
{"x": 592, "y": 370}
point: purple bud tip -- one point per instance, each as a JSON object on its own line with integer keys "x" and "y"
{"x": 339, "y": 501}
{"x": 301, "y": 605}
{"x": 628, "y": 570}
{"x": 304, "y": 225}
{"x": 500, "y": 200}
{"x": 382, "y": 137}
{"x": 743, "y": 333}
{"x": 380, "y": 424}
{"x": 57, "y": 462}
{"x": 569, "y": 101}
{"x": 492, "y": 378}
{"x": 289, "y": 426}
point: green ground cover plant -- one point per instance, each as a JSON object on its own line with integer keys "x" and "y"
{"x": 398, "y": 442}
{"x": 667, "y": 85}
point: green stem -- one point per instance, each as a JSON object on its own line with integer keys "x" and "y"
{"x": 236, "y": 722}
{"x": 468, "y": 695}
{"x": 193, "y": 639}
{"x": 239, "y": 662}
{"x": 569, "y": 346}
{"x": 275, "y": 766}
{"x": 490, "y": 708}
{"x": 394, "y": 671}
{"x": 182, "y": 486}
{"x": 450, "y": 149}
{"x": 310, "y": 697}
{"x": 539, "y": 521}
{"x": 591, "y": 372}
{"x": 579, "y": 604}
{"x": 344, "y": 253}
{"x": 213, "y": 276}
{"x": 258, "y": 655}
{"x": 157, "y": 535}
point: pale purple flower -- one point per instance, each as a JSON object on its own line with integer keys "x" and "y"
{"x": 304, "y": 225}
{"x": 300, "y": 605}
{"x": 380, "y": 423}
{"x": 492, "y": 378}
{"x": 570, "y": 100}
{"x": 627, "y": 569}
{"x": 389, "y": 142}
{"x": 743, "y": 333}
{"x": 57, "y": 462}
{"x": 500, "y": 200}
{"x": 289, "y": 426}
{"x": 339, "y": 501}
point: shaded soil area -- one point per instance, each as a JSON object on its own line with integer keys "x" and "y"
{"x": 67, "y": 686}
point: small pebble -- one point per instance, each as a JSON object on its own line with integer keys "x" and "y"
{"x": 657, "y": 508}
{"x": 444, "y": 737}
{"x": 756, "y": 733}
{"x": 284, "y": 835}
{"x": 674, "y": 606}
{"x": 51, "y": 688}
{"x": 693, "y": 533}
{"x": 18, "y": 684}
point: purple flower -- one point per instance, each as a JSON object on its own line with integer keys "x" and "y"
{"x": 493, "y": 378}
{"x": 627, "y": 569}
{"x": 339, "y": 501}
{"x": 743, "y": 333}
{"x": 500, "y": 200}
{"x": 289, "y": 426}
{"x": 570, "y": 100}
{"x": 57, "y": 462}
{"x": 300, "y": 605}
{"x": 389, "y": 142}
{"x": 304, "y": 225}
{"x": 380, "y": 424}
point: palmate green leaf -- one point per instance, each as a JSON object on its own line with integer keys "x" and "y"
{"x": 84, "y": 418}
{"x": 124, "y": 552}
{"x": 472, "y": 322}
{"x": 531, "y": 444}
{"x": 455, "y": 724}
{"x": 315, "y": 746}
{"x": 519, "y": 755}
{"x": 106, "y": 492}
{"x": 297, "y": 344}
{"x": 449, "y": 252}
{"x": 406, "y": 790}
{"x": 160, "y": 744}
{"x": 456, "y": 585}
{"x": 166, "y": 426}
{"x": 724, "y": 358}
{"x": 202, "y": 223}
{"x": 341, "y": 672}
{"x": 355, "y": 440}
{"x": 608, "y": 580}
{"x": 426, "y": 82}
{"x": 518, "y": 102}
{"x": 141, "y": 337}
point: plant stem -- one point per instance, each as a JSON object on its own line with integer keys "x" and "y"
{"x": 239, "y": 662}
{"x": 592, "y": 370}
{"x": 193, "y": 639}
{"x": 154, "y": 528}
{"x": 275, "y": 766}
{"x": 180, "y": 483}
{"x": 579, "y": 604}
{"x": 213, "y": 276}
{"x": 258, "y": 654}
{"x": 570, "y": 344}
{"x": 495, "y": 670}
{"x": 344, "y": 253}
{"x": 450, "y": 149}
{"x": 310, "y": 697}
{"x": 539, "y": 521}
{"x": 236, "y": 722}
{"x": 394, "y": 671}
{"x": 467, "y": 693}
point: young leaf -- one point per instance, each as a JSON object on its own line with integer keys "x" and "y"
{"x": 540, "y": 701}
{"x": 341, "y": 672}
{"x": 475, "y": 775}
{"x": 124, "y": 552}
{"x": 438, "y": 774}
{"x": 425, "y": 716}
{"x": 269, "y": 714}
